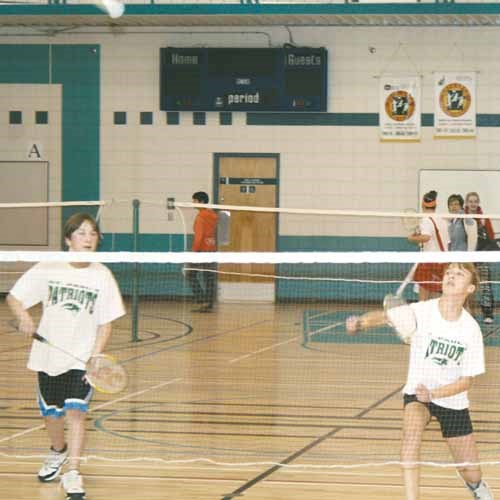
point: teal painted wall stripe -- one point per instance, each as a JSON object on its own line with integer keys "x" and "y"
{"x": 24, "y": 63}
{"x": 149, "y": 242}
{"x": 123, "y": 242}
{"x": 348, "y": 119}
{"x": 483, "y": 120}
{"x": 77, "y": 68}
{"x": 315, "y": 119}
{"x": 263, "y": 9}
{"x": 343, "y": 244}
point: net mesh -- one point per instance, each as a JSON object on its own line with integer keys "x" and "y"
{"x": 269, "y": 373}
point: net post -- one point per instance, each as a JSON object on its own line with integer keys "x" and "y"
{"x": 135, "y": 272}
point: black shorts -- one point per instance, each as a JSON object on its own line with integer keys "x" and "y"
{"x": 454, "y": 423}
{"x": 63, "y": 392}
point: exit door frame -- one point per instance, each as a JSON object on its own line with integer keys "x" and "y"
{"x": 216, "y": 171}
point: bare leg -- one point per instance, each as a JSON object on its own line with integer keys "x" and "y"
{"x": 55, "y": 430}
{"x": 76, "y": 420}
{"x": 464, "y": 451}
{"x": 416, "y": 417}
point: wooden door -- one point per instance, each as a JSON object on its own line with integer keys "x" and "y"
{"x": 249, "y": 181}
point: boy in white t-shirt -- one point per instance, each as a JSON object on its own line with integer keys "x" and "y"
{"x": 80, "y": 301}
{"x": 446, "y": 353}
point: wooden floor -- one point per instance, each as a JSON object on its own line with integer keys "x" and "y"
{"x": 231, "y": 404}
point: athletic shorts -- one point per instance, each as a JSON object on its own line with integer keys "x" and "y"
{"x": 63, "y": 392}
{"x": 454, "y": 423}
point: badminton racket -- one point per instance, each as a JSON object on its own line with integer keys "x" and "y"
{"x": 103, "y": 372}
{"x": 398, "y": 313}
{"x": 410, "y": 222}
{"x": 401, "y": 317}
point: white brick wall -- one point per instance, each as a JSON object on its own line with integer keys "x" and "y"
{"x": 321, "y": 167}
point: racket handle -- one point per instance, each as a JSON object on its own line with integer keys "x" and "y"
{"x": 38, "y": 337}
{"x": 407, "y": 280}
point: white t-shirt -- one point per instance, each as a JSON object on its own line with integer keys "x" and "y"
{"x": 427, "y": 227}
{"x": 76, "y": 301}
{"x": 443, "y": 351}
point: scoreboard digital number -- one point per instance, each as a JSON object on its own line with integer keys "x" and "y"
{"x": 243, "y": 79}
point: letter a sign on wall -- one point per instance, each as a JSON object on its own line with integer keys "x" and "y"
{"x": 35, "y": 151}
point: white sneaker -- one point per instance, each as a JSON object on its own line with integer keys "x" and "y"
{"x": 52, "y": 465}
{"x": 482, "y": 492}
{"x": 488, "y": 320}
{"x": 73, "y": 485}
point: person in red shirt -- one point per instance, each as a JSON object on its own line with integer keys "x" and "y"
{"x": 201, "y": 277}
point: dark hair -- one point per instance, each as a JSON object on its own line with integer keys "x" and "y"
{"x": 200, "y": 196}
{"x": 75, "y": 221}
{"x": 456, "y": 197}
{"x": 430, "y": 196}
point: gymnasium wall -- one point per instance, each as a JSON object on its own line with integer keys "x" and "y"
{"x": 109, "y": 83}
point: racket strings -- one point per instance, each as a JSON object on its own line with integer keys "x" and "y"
{"x": 106, "y": 374}
{"x": 401, "y": 317}
{"x": 411, "y": 223}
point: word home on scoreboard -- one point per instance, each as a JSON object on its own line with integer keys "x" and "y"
{"x": 243, "y": 79}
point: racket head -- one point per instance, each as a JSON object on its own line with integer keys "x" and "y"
{"x": 401, "y": 317}
{"x": 411, "y": 224}
{"x": 105, "y": 374}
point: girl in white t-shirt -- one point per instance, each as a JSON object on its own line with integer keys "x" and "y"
{"x": 446, "y": 354}
{"x": 80, "y": 301}
{"x": 431, "y": 236}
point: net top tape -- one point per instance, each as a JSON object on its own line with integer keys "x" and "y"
{"x": 53, "y": 204}
{"x": 351, "y": 213}
{"x": 249, "y": 257}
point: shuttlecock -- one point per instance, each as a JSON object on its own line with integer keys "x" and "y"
{"x": 114, "y": 8}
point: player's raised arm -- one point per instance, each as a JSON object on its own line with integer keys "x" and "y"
{"x": 371, "y": 319}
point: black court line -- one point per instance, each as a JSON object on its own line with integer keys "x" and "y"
{"x": 157, "y": 337}
{"x": 239, "y": 491}
{"x": 194, "y": 341}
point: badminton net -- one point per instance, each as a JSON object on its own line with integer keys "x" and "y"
{"x": 262, "y": 376}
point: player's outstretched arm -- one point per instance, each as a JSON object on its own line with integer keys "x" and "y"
{"x": 371, "y": 319}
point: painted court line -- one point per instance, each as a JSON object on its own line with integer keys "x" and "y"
{"x": 253, "y": 353}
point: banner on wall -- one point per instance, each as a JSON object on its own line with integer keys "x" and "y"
{"x": 455, "y": 104}
{"x": 400, "y": 108}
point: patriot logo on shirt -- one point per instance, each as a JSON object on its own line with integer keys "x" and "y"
{"x": 73, "y": 298}
{"x": 443, "y": 351}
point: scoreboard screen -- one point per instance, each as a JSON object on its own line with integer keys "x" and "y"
{"x": 243, "y": 79}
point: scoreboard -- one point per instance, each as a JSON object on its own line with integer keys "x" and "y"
{"x": 243, "y": 79}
